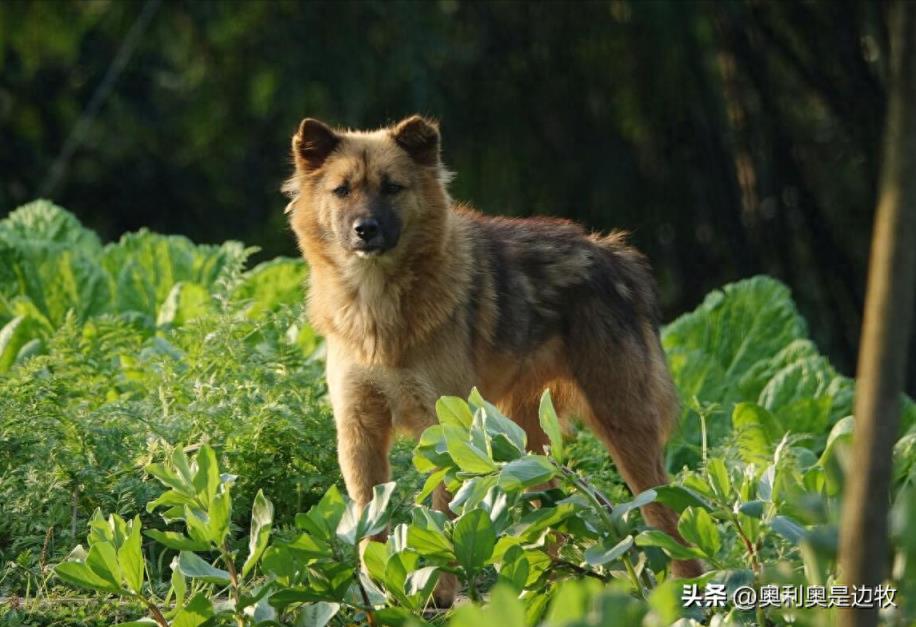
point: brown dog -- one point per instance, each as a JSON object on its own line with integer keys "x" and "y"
{"x": 419, "y": 297}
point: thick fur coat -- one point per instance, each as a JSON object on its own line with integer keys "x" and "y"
{"x": 420, "y": 297}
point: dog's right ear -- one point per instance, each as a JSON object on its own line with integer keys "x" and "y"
{"x": 418, "y": 136}
{"x": 312, "y": 144}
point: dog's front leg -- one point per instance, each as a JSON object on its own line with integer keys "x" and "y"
{"x": 363, "y": 441}
{"x": 363, "y": 420}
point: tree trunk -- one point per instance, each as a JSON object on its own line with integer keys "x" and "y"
{"x": 885, "y": 328}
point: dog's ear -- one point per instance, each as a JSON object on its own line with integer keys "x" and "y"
{"x": 312, "y": 144}
{"x": 419, "y": 137}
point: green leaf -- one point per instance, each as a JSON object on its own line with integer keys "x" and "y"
{"x": 13, "y": 336}
{"x": 514, "y": 568}
{"x": 171, "y": 498}
{"x": 375, "y": 557}
{"x": 145, "y": 267}
{"x": 262, "y": 516}
{"x": 431, "y": 543}
{"x": 471, "y": 493}
{"x": 182, "y": 466}
{"x": 653, "y": 537}
{"x": 745, "y": 322}
{"x": 322, "y": 520}
{"x": 534, "y": 523}
{"x": 102, "y": 559}
{"x": 757, "y": 376}
{"x": 753, "y": 509}
{"x": 130, "y": 557}
{"x": 550, "y": 424}
{"x": 78, "y": 574}
{"x": 175, "y": 540}
{"x": 526, "y": 472}
{"x": 765, "y": 484}
{"x": 680, "y": 498}
{"x": 420, "y": 583}
{"x": 375, "y": 515}
{"x": 806, "y": 415}
{"x": 190, "y": 565}
{"x": 348, "y": 528}
{"x": 197, "y": 612}
{"x": 59, "y": 279}
{"x": 495, "y": 422}
{"x": 758, "y": 431}
{"x": 788, "y": 529}
{"x": 185, "y": 302}
{"x": 431, "y": 451}
{"x": 808, "y": 378}
{"x": 396, "y": 569}
{"x": 711, "y": 349}
{"x": 316, "y": 614}
{"x": 206, "y": 479}
{"x": 668, "y": 607}
{"x": 179, "y": 585}
{"x": 454, "y": 411}
{"x": 839, "y": 440}
{"x": 717, "y": 472}
{"x": 602, "y": 553}
{"x": 698, "y": 527}
{"x": 503, "y": 610}
{"x": 198, "y": 524}
{"x": 282, "y": 562}
{"x": 432, "y": 482}
{"x": 468, "y": 457}
{"x": 219, "y": 513}
{"x": 474, "y": 540}
{"x": 99, "y": 529}
{"x": 310, "y": 546}
{"x": 43, "y": 221}
{"x": 499, "y": 426}
{"x": 271, "y": 285}
{"x": 570, "y": 602}
{"x": 640, "y": 500}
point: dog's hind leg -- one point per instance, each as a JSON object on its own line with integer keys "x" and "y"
{"x": 447, "y": 586}
{"x": 631, "y": 402}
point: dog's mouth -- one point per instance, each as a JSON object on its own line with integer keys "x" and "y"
{"x": 374, "y": 247}
{"x": 368, "y": 252}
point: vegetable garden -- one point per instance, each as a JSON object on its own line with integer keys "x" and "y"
{"x": 167, "y": 457}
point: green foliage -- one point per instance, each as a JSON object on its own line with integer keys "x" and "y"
{"x": 570, "y": 558}
{"x": 99, "y": 399}
{"x": 746, "y": 345}
{"x": 191, "y": 348}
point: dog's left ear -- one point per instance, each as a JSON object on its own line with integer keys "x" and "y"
{"x": 312, "y": 144}
{"x": 419, "y": 137}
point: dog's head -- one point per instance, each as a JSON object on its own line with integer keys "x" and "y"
{"x": 366, "y": 195}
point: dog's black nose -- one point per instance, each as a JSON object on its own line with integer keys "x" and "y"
{"x": 366, "y": 229}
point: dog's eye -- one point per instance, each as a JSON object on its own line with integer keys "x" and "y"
{"x": 390, "y": 188}
{"x": 341, "y": 191}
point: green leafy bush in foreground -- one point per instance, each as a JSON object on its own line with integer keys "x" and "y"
{"x": 183, "y": 346}
{"x": 750, "y": 523}
{"x": 113, "y": 358}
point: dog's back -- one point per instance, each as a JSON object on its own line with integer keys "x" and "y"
{"x": 420, "y": 298}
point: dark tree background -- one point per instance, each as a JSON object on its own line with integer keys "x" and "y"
{"x": 732, "y": 138}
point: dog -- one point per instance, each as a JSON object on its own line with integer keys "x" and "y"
{"x": 419, "y": 296}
